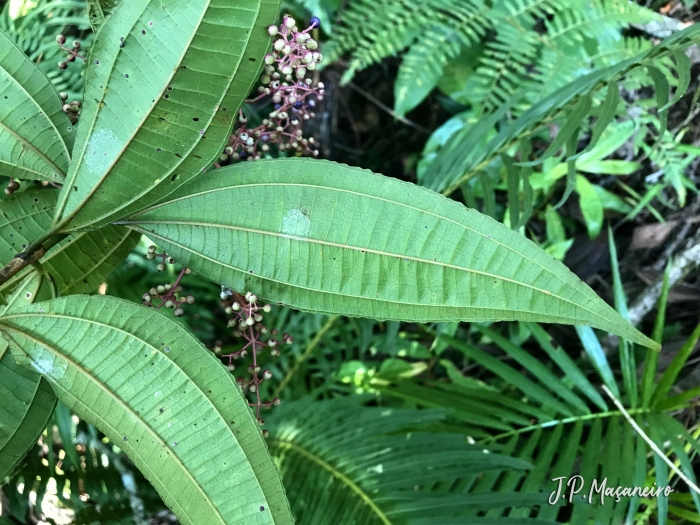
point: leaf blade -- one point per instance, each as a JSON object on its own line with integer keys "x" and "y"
{"x": 379, "y": 248}
{"x": 97, "y": 375}
{"x": 186, "y": 92}
{"x": 36, "y": 137}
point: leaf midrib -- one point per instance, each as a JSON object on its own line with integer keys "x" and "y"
{"x": 355, "y": 248}
{"x": 34, "y": 149}
{"x": 36, "y": 104}
{"x": 133, "y": 220}
{"x": 103, "y": 387}
{"x": 335, "y": 473}
{"x": 167, "y": 174}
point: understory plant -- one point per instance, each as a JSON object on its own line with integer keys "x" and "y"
{"x": 160, "y": 146}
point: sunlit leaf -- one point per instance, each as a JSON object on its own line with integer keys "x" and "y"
{"x": 325, "y": 237}
{"x": 169, "y": 403}
{"x": 163, "y": 85}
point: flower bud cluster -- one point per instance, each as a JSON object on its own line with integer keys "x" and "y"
{"x": 72, "y": 109}
{"x": 294, "y": 96}
{"x": 247, "y": 323}
{"x": 71, "y": 53}
{"x": 12, "y": 187}
{"x": 169, "y": 295}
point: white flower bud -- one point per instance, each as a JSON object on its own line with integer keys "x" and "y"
{"x": 272, "y": 30}
{"x": 311, "y": 44}
{"x": 269, "y": 59}
{"x": 279, "y": 45}
{"x": 289, "y": 22}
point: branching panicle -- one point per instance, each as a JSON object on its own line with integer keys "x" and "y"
{"x": 294, "y": 96}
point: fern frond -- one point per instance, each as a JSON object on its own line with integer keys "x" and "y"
{"x": 452, "y": 166}
{"x": 343, "y": 463}
{"x": 453, "y": 28}
{"x": 374, "y": 30}
{"x": 547, "y": 412}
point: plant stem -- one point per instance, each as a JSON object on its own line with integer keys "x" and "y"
{"x": 30, "y": 255}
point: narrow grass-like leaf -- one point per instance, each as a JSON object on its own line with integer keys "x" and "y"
{"x": 511, "y": 376}
{"x": 378, "y": 247}
{"x": 670, "y": 375}
{"x": 570, "y": 128}
{"x": 567, "y": 365}
{"x": 627, "y": 359}
{"x": 661, "y": 471}
{"x": 605, "y": 115}
{"x": 525, "y": 172}
{"x": 597, "y": 356}
{"x": 183, "y": 70}
{"x": 661, "y": 87}
{"x": 513, "y": 185}
{"x": 683, "y": 69}
{"x": 36, "y": 136}
{"x": 537, "y": 369}
{"x": 570, "y": 149}
{"x": 153, "y": 388}
{"x": 652, "y": 358}
{"x": 673, "y": 429}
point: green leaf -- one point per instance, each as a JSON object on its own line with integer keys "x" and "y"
{"x": 591, "y": 206}
{"x": 27, "y": 398}
{"x": 662, "y": 94}
{"x": 670, "y": 375}
{"x": 36, "y": 136}
{"x": 77, "y": 264}
{"x": 183, "y": 71}
{"x": 151, "y": 387}
{"x": 455, "y": 162}
{"x": 329, "y": 238}
{"x": 346, "y": 464}
{"x": 98, "y": 10}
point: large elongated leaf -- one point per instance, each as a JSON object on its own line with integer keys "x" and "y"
{"x": 79, "y": 263}
{"x": 324, "y": 237}
{"x": 36, "y": 137}
{"x": 27, "y": 398}
{"x": 153, "y": 388}
{"x": 159, "y": 109}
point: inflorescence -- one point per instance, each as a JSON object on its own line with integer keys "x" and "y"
{"x": 247, "y": 322}
{"x": 168, "y": 294}
{"x": 294, "y": 96}
{"x": 72, "y": 109}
